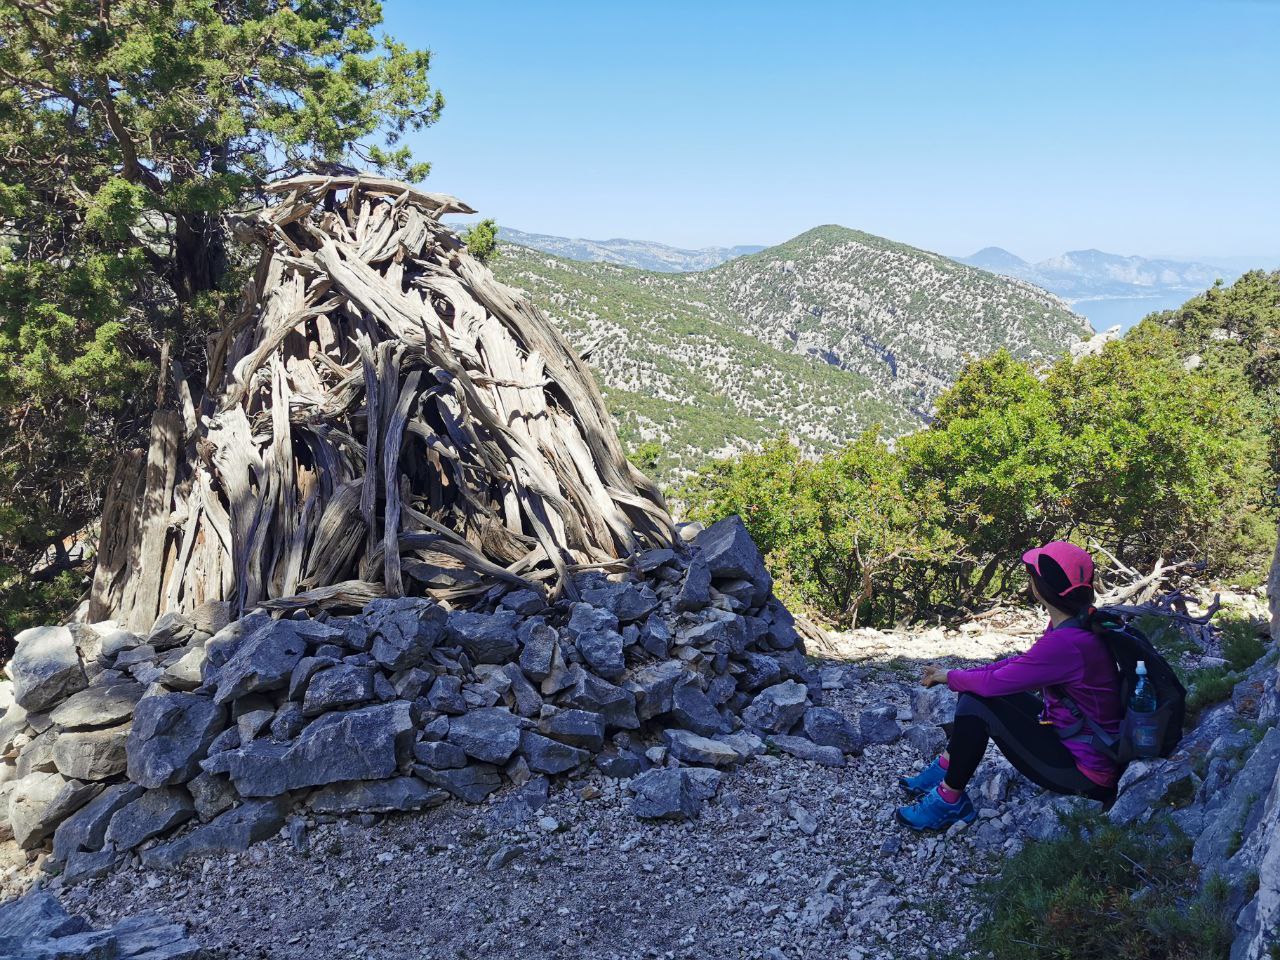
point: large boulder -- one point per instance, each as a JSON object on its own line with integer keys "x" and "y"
{"x": 364, "y": 744}
{"x": 153, "y": 814}
{"x": 665, "y": 794}
{"x": 98, "y": 706}
{"x": 691, "y": 748}
{"x": 40, "y": 801}
{"x": 262, "y": 662}
{"x": 91, "y": 754}
{"x": 86, "y": 829}
{"x": 170, "y": 736}
{"x": 231, "y": 831}
{"x": 778, "y": 708}
{"x": 731, "y": 554}
{"x": 487, "y": 638}
{"x": 46, "y": 668}
{"x": 490, "y": 734}
{"x": 404, "y": 630}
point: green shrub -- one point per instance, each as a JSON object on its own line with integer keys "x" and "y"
{"x": 1103, "y": 891}
{"x": 1241, "y": 645}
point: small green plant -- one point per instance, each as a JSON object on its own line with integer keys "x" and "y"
{"x": 482, "y": 240}
{"x": 1241, "y": 645}
{"x": 1207, "y": 686}
{"x": 1105, "y": 891}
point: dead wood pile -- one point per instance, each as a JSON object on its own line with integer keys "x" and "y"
{"x": 382, "y": 418}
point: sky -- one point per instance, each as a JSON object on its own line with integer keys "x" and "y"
{"x": 1135, "y": 127}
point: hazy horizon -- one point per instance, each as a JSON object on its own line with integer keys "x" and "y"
{"x": 1038, "y": 128}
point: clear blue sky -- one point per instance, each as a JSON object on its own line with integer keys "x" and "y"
{"x": 1134, "y": 127}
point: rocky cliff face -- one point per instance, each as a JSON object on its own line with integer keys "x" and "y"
{"x": 821, "y": 337}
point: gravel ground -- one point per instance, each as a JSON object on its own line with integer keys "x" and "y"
{"x": 790, "y": 860}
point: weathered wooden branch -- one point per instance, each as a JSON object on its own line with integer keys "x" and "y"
{"x": 381, "y": 416}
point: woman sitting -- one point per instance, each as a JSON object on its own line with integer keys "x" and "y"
{"x": 1039, "y": 735}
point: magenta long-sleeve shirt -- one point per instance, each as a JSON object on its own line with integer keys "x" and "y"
{"x": 1069, "y": 658}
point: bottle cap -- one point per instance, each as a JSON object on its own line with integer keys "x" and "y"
{"x": 1142, "y": 666}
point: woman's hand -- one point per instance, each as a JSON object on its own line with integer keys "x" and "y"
{"x": 933, "y": 675}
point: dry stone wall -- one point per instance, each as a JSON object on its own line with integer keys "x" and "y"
{"x": 204, "y": 734}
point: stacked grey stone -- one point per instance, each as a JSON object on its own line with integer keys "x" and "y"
{"x": 36, "y": 926}
{"x": 213, "y": 730}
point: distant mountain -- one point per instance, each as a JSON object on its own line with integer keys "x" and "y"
{"x": 640, "y": 254}
{"x": 1085, "y": 274}
{"x": 821, "y": 337}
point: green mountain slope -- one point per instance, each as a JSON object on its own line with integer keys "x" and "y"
{"x": 821, "y": 336}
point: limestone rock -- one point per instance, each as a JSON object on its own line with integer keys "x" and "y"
{"x": 97, "y": 706}
{"x": 664, "y": 795}
{"x": 545, "y": 755}
{"x": 364, "y": 744}
{"x": 804, "y": 749}
{"x": 731, "y": 554}
{"x": 654, "y": 687}
{"x": 154, "y": 813}
{"x": 337, "y": 688}
{"x": 692, "y": 709}
{"x": 490, "y": 734}
{"x": 91, "y": 754}
{"x": 45, "y": 668}
{"x": 879, "y": 724}
{"x": 692, "y": 748}
{"x": 695, "y": 593}
{"x": 578, "y": 728}
{"x": 232, "y": 831}
{"x": 470, "y": 784}
{"x": 211, "y": 794}
{"x": 404, "y": 630}
{"x": 262, "y": 662}
{"x": 486, "y": 638}
{"x": 778, "y": 708}
{"x": 376, "y": 796}
{"x": 933, "y": 705}
{"x": 86, "y": 828}
{"x": 831, "y": 728}
{"x": 589, "y": 692}
{"x": 40, "y": 801}
{"x": 170, "y": 736}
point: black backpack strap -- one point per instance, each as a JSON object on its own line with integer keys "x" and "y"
{"x": 1097, "y": 735}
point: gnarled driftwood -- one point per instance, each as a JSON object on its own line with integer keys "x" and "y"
{"x": 382, "y": 417}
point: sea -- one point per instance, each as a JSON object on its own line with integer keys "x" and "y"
{"x": 1104, "y": 312}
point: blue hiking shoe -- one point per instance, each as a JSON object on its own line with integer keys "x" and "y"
{"x": 924, "y": 781}
{"x": 931, "y": 812}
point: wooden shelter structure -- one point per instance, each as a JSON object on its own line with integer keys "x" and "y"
{"x": 383, "y": 417}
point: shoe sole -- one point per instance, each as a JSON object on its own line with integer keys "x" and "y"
{"x": 907, "y": 823}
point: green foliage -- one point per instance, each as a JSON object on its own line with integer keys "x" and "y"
{"x": 1132, "y": 447}
{"x": 646, "y": 456}
{"x": 836, "y": 530}
{"x": 482, "y": 240}
{"x": 1103, "y": 891}
{"x": 128, "y": 130}
{"x": 1241, "y": 645}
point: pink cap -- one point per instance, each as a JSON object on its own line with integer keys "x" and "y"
{"x": 1074, "y": 561}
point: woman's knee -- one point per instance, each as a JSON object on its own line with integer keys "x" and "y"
{"x": 970, "y": 705}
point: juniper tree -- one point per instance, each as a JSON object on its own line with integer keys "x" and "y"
{"x": 127, "y": 131}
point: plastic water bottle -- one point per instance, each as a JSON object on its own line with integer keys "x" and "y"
{"x": 1142, "y": 709}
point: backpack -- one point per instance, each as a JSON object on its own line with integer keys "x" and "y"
{"x": 1127, "y": 645}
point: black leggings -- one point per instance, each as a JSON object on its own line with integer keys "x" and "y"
{"x": 1035, "y": 749}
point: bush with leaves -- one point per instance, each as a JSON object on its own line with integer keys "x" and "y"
{"x": 128, "y": 131}
{"x": 1134, "y": 448}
